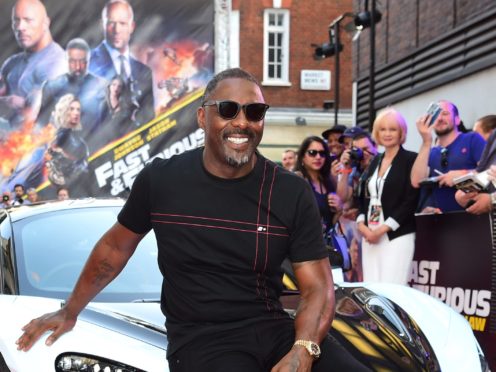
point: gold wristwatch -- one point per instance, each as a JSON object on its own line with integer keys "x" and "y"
{"x": 312, "y": 348}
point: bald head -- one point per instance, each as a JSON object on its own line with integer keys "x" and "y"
{"x": 31, "y": 25}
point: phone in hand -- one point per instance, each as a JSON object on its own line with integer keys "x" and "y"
{"x": 433, "y": 110}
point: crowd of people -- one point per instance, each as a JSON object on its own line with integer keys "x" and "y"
{"x": 374, "y": 195}
{"x": 21, "y": 196}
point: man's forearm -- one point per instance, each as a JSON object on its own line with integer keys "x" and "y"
{"x": 420, "y": 168}
{"x": 105, "y": 262}
{"x": 316, "y": 310}
{"x": 314, "y": 316}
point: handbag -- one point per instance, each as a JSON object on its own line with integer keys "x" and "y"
{"x": 339, "y": 247}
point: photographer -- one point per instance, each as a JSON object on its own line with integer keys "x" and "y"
{"x": 6, "y": 199}
{"x": 354, "y": 161}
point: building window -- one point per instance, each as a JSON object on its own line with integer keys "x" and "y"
{"x": 276, "y": 47}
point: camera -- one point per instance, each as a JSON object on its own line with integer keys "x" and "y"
{"x": 5, "y": 198}
{"x": 356, "y": 155}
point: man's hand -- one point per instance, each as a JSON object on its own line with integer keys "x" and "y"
{"x": 424, "y": 129}
{"x": 15, "y": 102}
{"x": 345, "y": 159}
{"x": 491, "y": 172}
{"x": 59, "y": 322}
{"x": 482, "y": 204}
{"x": 447, "y": 178}
{"x": 336, "y": 167}
{"x": 463, "y": 198}
{"x": 431, "y": 210}
{"x": 297, "y": 360}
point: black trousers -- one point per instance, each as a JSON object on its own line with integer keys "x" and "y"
{"x": 255, "y": 348}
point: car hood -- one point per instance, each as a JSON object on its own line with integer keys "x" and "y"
{"x": 142, "y": 321}
{"x": 132, "y": 334}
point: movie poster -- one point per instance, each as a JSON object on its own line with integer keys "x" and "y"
{"x": 91, "y": 91}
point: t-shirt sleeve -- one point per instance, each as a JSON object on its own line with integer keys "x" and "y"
{"x": 135, "y": 214}
{"x": 306, "y": 239}
{"x": 477, "y": 146}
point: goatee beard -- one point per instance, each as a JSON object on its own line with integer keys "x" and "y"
{"x": 237, "y": 163}
{"x": 444, "y": 132}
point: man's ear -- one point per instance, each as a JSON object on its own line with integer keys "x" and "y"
{"x": 200, "y": 117}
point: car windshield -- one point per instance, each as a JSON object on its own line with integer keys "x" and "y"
{"x": 52, "y": 248}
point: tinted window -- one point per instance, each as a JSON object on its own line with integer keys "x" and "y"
{"x": 52, "y": 248}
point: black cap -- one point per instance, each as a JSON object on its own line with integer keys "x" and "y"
{"x": 354, "y": 132}
{"x": 335, "y": 129}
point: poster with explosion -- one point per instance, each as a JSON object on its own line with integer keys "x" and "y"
{"x": 91, "y": 91}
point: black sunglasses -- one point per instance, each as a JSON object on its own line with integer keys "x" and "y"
{"x": 444, "y": 157}
{"x": 313, "y": 153}
{"x": 230, "y": 109}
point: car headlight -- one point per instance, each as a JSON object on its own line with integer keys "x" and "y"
{"x": 69, "y": 362}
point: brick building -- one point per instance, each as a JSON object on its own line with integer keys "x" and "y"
{"x": 272, "y": 39}
{"x": 428, "y": 50}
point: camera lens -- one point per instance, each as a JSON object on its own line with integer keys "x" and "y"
{"x": 356, "y": 154}
{"x": 5, "y": 198}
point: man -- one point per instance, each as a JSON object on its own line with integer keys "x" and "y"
{"x": 485, "y": 126}
{"x": 454, "y": 154}
{"x": 22, "y": 75}
{"x": 88, "y": 88}
{"x": 6, "y": 199}
{"x": 18, "y": 194}
{"x": 225, "y": 218}
{"x": 354, "y": 160}
{"x": 482, "y": 202}
{"x": 332, "y": 136}
{"x": 112, "y": 57}
{"x": 289, "y": 160}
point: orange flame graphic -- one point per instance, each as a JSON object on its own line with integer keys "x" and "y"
{"x": 21, "y": 142}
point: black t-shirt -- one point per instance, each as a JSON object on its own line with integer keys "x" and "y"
{"x": 221, "y": 242}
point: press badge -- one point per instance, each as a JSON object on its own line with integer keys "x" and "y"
{"x": 375, "y": 214}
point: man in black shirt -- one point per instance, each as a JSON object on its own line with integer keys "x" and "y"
{"x": 225, "y": 218}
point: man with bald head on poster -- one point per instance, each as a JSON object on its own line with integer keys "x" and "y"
{"x": 22, "y": 74}
{"x": 112, "y": 57}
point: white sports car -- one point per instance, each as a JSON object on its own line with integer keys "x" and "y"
{"x": 44, "y": 247}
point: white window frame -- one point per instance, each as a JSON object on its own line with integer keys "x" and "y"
{"x": 283, "y": 29}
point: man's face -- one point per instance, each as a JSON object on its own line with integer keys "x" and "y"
{"x": 335, "y": 147}
{"x": 230, "y": 142}
{"x": 369, "y": 150}
{"x": 29, "y": 23}
{"x": 78, "y": 62}
{"x": 18, "y": 191}
{"x": 446, "y": 122}
{"x": 347, "y": 143}
{"x": 118, "y": 26}
{"x": 288, "y": 160}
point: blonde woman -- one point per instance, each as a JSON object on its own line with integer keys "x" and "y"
{"x": 68, "y": 152}
{"x": 387, "y": 204}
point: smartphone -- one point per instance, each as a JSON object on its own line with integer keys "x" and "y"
{"x": 434, "y": 110}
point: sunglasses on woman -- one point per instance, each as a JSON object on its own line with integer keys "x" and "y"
{"x": 230, "y": 109}
{"x": 313, "y": 153}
